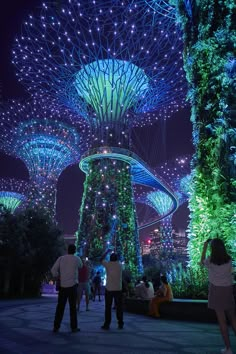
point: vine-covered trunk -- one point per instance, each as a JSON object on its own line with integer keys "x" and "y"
{"x": 210, "y": 35}
{"x": 107, "y": 215}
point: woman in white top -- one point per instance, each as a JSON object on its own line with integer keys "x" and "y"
{"x": 145, "y": 289}
{"x": 220, "y": 297}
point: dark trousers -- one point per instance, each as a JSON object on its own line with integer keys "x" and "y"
{"x": 97, "y": 290}
{"x": 117, "y": 296}
{"x": 63, "y": 295}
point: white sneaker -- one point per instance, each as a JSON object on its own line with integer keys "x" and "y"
{"x": 226, "y": 351}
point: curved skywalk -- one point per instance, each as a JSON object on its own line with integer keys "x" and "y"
{"x": 140, "y": 172}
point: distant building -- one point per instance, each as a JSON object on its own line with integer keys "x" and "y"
{"x": 69, "y": 239}
{"x": 180, "y": 244}
{"x": 155, "y": 246}
{"x": 145, "y": 247}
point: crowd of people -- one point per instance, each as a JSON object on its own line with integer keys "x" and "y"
{"x": 75, "y": 280}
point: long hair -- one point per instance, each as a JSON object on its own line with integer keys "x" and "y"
{"x": 219, "y": 254}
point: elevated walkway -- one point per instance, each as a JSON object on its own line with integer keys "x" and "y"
{"x": 140, "y": 172}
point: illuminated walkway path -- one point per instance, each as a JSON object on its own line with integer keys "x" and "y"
{"x": 140, "y": 172}
{"x": 25, "y": 328}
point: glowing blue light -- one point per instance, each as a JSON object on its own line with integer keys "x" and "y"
{"x": 13, "y": 193}
{"x": 159, "y": 201}
{"x": 128, "y": 69}
{"x": 111, "y": 87}
{"x": 47, "y": 140}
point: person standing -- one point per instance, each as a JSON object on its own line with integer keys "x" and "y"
{"x": 84, "y": 284}
{"x": 220, "y": 296}
{"x": 66, "y": 267}
{"x": 113, "y": 289}
{"x": 97, "y": 286}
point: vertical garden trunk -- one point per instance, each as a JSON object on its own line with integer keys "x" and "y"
{"x": 107, "y": 215}
{"x": 209, "y": 28}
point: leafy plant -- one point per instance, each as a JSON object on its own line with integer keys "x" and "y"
{"x": 189, "y": 283}
{"x": 29, "y": 245}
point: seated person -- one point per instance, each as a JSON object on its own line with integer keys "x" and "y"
{"x": 164, "y": 294}
{"x": 144, "y": 290}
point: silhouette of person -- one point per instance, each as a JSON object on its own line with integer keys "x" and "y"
{"x": 67, "y": 268}
{"x": 113, "y": 289}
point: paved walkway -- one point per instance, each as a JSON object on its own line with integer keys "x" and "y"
{"x": 26, "y": 328}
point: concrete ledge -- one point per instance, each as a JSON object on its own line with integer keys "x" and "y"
{"x": 178, "y": 309}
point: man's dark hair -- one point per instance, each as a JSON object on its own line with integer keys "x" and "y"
{"x": 113, "y": 257}
{"x": 71, "y": 249}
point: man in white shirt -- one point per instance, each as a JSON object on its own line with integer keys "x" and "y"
{"x": 66, "y": 267}
{"x": 113, "y": 289}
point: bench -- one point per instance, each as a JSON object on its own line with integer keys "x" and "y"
{"x": 178, "y": 309}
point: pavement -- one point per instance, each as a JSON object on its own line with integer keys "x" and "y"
{"x": 26, "y": 328}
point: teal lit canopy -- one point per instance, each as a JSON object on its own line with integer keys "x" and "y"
{"x": 111, "y": 87}
{"x": 159, "y": 201}
{"x": 10, "y": 200}
{"x": 46, "y": 147}
{"x": 13, "y": 193}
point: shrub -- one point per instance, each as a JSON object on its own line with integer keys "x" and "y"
{"x": 189, "y": 283}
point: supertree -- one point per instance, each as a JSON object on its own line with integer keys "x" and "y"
{"x": 44, "y": 139}
{"x": 209, "y": 37}
{"x": 108, "y": 64}
{"x": 163, "y": 7}
{"x": 168, "y": 8}
{"x": 13, "y": 193}
{"x": 177, "y": 174}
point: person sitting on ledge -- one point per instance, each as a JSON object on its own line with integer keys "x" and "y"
{"x": 164, "y": 294}
{"x": 144, "y": 290}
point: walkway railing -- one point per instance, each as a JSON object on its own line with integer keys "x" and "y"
{"x": 140, "y": 173}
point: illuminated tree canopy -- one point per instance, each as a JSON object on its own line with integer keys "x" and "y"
{"x": 176, "y": 173}
{"x": 108, "y": 64}
{"x": 13, "y": 193}
{"x": 104, "y": 61}
{"x": 45, "y": 142}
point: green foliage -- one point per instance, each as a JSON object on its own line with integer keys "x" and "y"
{"x": 189, "y": 283}
{"x": 29, "y": 245}
{"x": 107, "y": 214}
{"x": 209, "y": 38}
{"x": 153, "y": 273}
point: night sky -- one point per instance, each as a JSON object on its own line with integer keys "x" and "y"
{"x": 162, "y": 141}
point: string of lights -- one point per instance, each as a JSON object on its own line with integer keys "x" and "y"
{"x": 46, "y": 140}
{"x": 13, "y": 193}
{"x": 116, "y": 71}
